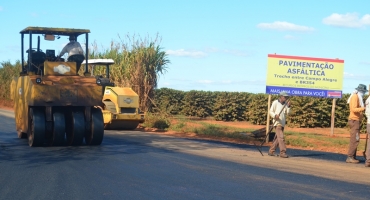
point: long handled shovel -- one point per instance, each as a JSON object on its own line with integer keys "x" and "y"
{"x": 260, "y": 146}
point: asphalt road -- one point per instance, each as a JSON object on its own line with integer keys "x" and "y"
{"x": 139, "y": 165}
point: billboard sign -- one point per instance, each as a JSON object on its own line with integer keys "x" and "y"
{"x": 304, "y": 76}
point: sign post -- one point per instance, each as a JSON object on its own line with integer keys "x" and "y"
{"x": 332, "y": 118}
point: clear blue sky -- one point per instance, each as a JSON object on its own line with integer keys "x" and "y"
{"x": 212, "y": 45}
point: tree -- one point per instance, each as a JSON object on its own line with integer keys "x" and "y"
{"x": 138, "y": 64}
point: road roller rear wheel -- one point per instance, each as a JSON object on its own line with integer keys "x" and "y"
{"x": 36, "y": 127}
{"x": 75, "y": 128}
{"x": 95, "y": 136}
{"x": 58, "y": 134}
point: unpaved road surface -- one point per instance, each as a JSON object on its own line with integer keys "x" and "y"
{"x": 140, "y": 165}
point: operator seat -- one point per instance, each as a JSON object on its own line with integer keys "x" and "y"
{"x": 50, "y": 55}
{"x": 78, "y": 58}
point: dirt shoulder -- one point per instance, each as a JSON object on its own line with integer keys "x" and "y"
{"x": 320, "y": 145}
{"x": 6, "y": 108}
{"x": 6, "y": 105}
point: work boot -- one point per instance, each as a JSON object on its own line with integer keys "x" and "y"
{"x": 367, "y": 164}
{"x": 352, "y": 160}
{"x": 271, "y": 153}
{"x": 284, "y": 155}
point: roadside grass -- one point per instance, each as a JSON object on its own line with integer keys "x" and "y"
{"x": 207, "y": 129}
{"x": 314, "y": 140}
{"x": 298, "y": 141}
{"x": 181, "y": 124}
{"x": 221, "y": 131}
{"x": 226, "y": 129}
{"x": 218, "y": 131}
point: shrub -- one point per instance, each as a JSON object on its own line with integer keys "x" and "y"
{"x": 154, "y": 120}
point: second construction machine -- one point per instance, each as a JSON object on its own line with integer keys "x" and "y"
{"x": 53, "y": 104}
{"x": 120, "y": 105}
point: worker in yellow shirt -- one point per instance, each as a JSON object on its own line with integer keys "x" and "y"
{"x": 356, "y": 108}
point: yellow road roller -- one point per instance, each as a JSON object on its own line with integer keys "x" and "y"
{"x": 120, "y": 104}
{"x": 53, "y": 104}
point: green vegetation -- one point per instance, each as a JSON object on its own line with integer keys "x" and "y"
{"x": 298, "y": 141}
{"x": 231, "y": 106}
{"x": 7, "y": 72}
{"x": 181, "y": 126}
{"x": 156, "y": 121}
{"x": 314, "y": 140}
{"x": 220, "y": 131}
{"x": 138, "y": 64}
{"x": 306, "y": 112}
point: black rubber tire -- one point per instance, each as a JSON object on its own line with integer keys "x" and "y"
{"x": 95, "y": 137}
{"x": 58, "y": 134}
{"x": 75, "y": 128}
{"x": 36, "y": 127}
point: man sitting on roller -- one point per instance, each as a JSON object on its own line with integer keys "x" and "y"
{"x": 74, "y": 50}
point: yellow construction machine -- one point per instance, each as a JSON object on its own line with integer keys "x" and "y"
{"x": 53, "y": 105}
{"x": 120, "y": 104}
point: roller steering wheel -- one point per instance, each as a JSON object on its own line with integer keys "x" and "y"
{"x": 33, "y": 50}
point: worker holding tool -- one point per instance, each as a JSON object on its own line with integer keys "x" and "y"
{"x": 367, "y": 148}
{"x": 279, "y": 110}
{"x": 356, "y": 107}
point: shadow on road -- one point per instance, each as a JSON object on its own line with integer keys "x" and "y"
{"x": 13, "y": 149}
{"x": 291, "y": 152}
